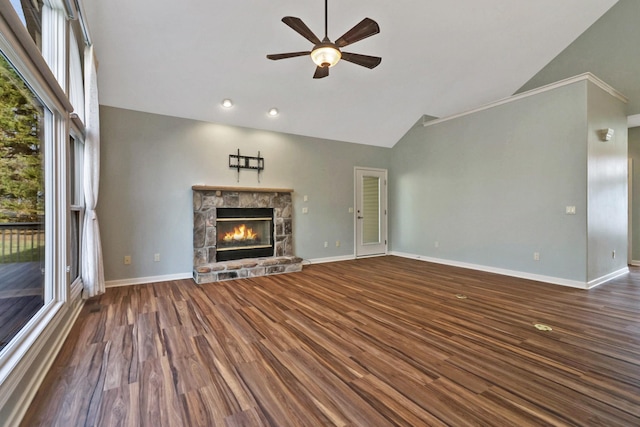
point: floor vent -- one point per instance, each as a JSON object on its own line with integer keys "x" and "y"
{"x": 544, "y": 328}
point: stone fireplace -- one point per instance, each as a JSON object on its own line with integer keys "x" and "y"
{"x": 242, "y": 232}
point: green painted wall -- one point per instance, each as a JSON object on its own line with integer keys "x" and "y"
{"x": 607, "y": 186}
{"x": 149, "y": 163}
{"x": 609, "y": 49}
{"x": 491, "y": 187}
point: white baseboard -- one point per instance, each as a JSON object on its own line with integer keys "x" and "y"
{"x": 149, "y": 279}
{"x": 370, "y": 256}
{"x": 505, "y": 272}
{"x": 330, "y": 259}
{"x": 606, "y": 278}
{"x": 635, "y": 263}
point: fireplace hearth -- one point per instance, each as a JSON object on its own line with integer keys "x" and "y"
{"x": 242, "y": 232}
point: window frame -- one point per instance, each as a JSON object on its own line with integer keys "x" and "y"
{"x": 20, "y": 50}
{"x": 53, "y": 297}
{"x": 76, "y": 204}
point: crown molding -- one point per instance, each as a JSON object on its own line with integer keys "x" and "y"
{"x": 633, "y": 121}
{"x": 581, "y": 77}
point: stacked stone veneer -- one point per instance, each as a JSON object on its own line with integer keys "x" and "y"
{"x": 206, "y": 201}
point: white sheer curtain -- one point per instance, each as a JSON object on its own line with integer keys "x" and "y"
{"x": 92, "y": 265}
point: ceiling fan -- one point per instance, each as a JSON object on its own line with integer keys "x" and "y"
{"x": 326, "y": 54}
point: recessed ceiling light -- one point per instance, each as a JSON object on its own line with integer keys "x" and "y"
{"x": 273, "y": 112}
{"x": 227, "y": 103}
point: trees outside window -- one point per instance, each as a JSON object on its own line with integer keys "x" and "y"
{"x": 22, "y": 210}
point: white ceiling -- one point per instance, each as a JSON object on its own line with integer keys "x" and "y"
{"x": 439, "y": 57}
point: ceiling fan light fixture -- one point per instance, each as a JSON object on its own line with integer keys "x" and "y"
{"x": 325, "y": 55}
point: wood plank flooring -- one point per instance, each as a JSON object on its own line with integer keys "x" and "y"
{"x": 370, "y": 342}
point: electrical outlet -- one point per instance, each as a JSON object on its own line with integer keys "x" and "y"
{"x": 305, "y": 210}
{"x": 156, "y": 257}
{"x": 127, "y": 260}
{"x": 536, "y": 256}
{"x": 305, "y": 198}
{"x": 326, "y": 244}
{"x": 436, "y": 244}
{"x": 337, "y": 243}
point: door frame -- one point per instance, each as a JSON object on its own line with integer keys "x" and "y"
{"x": 384, "y": 208}
{"x": 630, "y": 260}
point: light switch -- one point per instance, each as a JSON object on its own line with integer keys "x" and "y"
{"x": 570, "y": 210}
{"x": 305, "y": 198}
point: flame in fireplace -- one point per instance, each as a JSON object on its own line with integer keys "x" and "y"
{"x": 240, "y": 233}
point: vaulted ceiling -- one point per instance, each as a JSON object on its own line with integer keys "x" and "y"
{"x": 440, "y": 57}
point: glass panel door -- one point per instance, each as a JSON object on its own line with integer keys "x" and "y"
{"x": 371, "y": 210}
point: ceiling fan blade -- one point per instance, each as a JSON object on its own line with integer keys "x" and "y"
{"x": 366, "y": 28}
{"x": 301, "y": 28}
{"x": 364, "y": 60}
{"x": 277, "y": 56}
{"x": 321, "y": 72}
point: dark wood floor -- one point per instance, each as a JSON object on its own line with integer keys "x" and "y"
{"x": 371, "y": 342}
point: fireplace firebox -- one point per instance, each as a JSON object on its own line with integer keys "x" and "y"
{"x": 244, "y": 233}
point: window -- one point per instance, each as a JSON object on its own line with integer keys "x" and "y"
{"x": 41, "y": 187}
{"x": 76, "y": 200}
{"x": 76, "y": 155}
{"x": 76, "y": 76}
{"x": 30, "y": 13}
{"x": 22, "y": 202}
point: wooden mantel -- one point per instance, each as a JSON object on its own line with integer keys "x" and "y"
{"x": 241, "y": 189}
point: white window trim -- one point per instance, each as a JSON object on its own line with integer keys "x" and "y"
{"x": 30, "y": 337}
{"x": 76, "y": 284}
{"x": 26, "y": 56}
{"x": 29, "y": 342}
